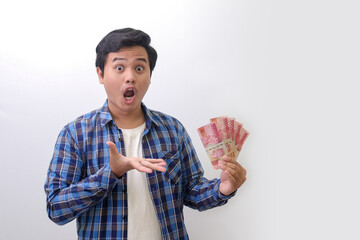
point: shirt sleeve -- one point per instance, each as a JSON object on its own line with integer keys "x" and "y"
{"x": 68, "y": 193}
{"x": 199, "y": 193}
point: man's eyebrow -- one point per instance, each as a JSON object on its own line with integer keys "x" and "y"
{"x": 141, "y": 59}
{"x": 119, "y": 59}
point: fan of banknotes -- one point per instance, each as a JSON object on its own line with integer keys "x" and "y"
{"x": 222, "y": 136}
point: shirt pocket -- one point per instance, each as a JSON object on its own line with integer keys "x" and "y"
{"x": 173, "y": 173}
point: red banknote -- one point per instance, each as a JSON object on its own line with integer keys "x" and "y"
{"x": 222, "y": 136}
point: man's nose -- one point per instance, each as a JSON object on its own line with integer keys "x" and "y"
{"x": 130, "y": 77}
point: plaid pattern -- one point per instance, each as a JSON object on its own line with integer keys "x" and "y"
{"x": 81, "y": 185}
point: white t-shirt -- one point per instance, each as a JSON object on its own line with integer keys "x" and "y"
{"x": 142, "y": 220}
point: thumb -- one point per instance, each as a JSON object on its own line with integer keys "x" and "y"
{"x": 113, "y": 149}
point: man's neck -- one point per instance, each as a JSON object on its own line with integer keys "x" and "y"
{"x": 128, "y": 120}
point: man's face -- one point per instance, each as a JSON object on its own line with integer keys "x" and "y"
{"x": 126, "y": 79}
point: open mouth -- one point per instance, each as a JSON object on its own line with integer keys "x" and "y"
{"x": 129, "y": 93}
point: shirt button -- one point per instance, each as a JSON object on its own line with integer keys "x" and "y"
{"x": 124, "y": 218}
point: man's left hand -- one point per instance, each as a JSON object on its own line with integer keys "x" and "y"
{"x": 233, "y": 175}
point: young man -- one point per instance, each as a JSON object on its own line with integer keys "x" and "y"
{"x": 124, "y": 171}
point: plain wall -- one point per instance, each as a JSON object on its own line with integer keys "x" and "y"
{"x": 288, "y": 70}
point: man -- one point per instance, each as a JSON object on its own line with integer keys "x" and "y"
{"x": 124, "y": 171}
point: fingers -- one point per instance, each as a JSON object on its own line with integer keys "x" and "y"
{"x": 159, "y": 166}
{"x": 226, "y": 158}
{"x": 231, "y": 163}
{"x": 148, "y": 164}
{"x": 154, "y": 161}
{"x": 112, "y": 147}
{"x": 138, "y": 166}
{"x": 234, "y": 171}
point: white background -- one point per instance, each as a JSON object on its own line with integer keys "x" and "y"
{"x": 288, "y": 70}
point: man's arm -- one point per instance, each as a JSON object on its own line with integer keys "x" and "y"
{"x": 201, "y": 193}
{"x": 68, "y": 194}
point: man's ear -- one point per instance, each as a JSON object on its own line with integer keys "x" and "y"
{"x": 100, "y": 75}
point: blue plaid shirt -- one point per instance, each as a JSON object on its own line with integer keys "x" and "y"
{"x": 81, "y": 185}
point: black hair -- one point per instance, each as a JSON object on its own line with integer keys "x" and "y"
{"x": 125, "y": 37}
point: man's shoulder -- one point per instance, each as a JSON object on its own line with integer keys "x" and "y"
{"x": 87, "y": 120}
{"x": 164, "y": 119}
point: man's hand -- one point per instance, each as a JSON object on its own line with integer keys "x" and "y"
{"x": 120, "y": 164}
{"x": 233, "y": 175}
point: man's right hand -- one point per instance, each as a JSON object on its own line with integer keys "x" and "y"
{"x": 120, "y": 164}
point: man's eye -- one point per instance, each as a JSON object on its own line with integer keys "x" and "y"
{"x": 139, "y": 69}
{"x": 119, "y": 68}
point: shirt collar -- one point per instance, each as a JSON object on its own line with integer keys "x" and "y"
{"x": 105, "y": 116}
{"x": 149, "y": 117}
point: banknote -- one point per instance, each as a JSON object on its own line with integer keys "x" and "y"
{"x": 213, "y": 143}
{"x": 223, "y": 126}
{"x": 240, "y": 137}
{"x": 222, "y": 136}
